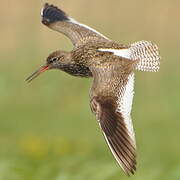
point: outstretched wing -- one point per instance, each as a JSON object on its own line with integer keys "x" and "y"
{"x": 58, "y": 20}
{"x": 111, "y": 100}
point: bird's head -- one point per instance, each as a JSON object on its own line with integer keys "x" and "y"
{"x": 55, "y": 60}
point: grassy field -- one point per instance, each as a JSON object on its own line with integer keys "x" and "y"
{"x": 47, "y": 131}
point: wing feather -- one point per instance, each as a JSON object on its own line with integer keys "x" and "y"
{"x": 125, "y": 99}
{"x": 58, "y": 20}
{"x": 111, "y": 100}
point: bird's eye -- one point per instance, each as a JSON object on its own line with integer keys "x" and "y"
{"x": 53, "y": 59}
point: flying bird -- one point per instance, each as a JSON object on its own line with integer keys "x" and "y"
{"x": 112, "y": 66}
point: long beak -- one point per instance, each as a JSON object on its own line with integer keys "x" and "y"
{"x": 37, "y": 73}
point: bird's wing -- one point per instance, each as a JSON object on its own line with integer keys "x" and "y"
{"x": 111, "y": 100}
{"x": 58, "y": 20}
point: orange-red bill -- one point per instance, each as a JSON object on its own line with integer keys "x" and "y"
{"x": 37, "y": 73}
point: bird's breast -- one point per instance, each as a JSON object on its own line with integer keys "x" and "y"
{"x": 77, "y": 70}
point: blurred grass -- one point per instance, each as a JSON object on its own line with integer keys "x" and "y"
{"x": 46, "y": 128}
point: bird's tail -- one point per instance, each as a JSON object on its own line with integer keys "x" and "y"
{"x": 147, "y": 55}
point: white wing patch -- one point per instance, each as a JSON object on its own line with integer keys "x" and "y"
{"x": 125, "y": 53}
{"x": 125, "y": 104}
{"x": 87, "y": 27}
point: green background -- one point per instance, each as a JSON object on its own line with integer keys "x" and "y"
{"x": 47, "y": 131}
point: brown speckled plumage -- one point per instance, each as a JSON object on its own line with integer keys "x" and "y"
{"x": 112, "y": 67}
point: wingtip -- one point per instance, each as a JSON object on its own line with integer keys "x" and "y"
{"x": 51, "y": 14}
{"x": 129, "y": 171}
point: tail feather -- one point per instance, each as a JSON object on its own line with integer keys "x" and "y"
{"x": 148, "y": 55}
{"x": 51, "y": 14}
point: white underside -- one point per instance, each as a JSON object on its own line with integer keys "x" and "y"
{"x": 125, "y": 53}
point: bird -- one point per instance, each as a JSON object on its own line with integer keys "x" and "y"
{"x": 112, "y": 67}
